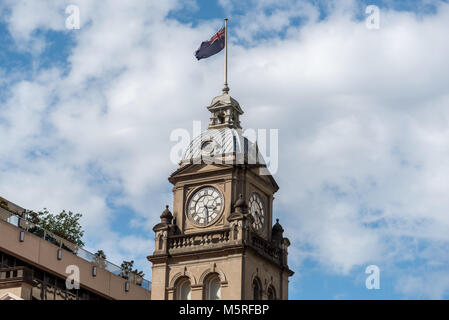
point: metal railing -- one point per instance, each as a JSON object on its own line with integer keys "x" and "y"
{"x": 15, "y": 274}
{"x": 27, "y": 225}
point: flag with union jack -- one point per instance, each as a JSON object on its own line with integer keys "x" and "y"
{"x": 214, "y": 45}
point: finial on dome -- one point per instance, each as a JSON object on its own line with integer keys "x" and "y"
{"x": 225, "y": 89}
{"x": 277, "y": 232}
{"x": 166, "y": 216}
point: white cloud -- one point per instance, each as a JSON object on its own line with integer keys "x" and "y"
{"x": 433, "y": 285}
{"x": 362, "y": 116}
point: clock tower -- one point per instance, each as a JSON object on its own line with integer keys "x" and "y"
{"x": 218, "y": 241}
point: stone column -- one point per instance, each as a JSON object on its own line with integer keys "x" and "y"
{"x": 197, "y": 292}
{"x": 159, "y": 282}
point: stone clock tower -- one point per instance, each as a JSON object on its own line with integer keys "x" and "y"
{"x": 219, "y": 241}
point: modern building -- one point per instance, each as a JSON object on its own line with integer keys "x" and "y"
{"x": 35, "y": 265}
{"x": 220, "y": 242}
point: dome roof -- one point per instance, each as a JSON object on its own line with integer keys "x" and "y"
{"x": 227, "y": 143}
{"x": 225, "y": 100}
{"x": 166, "y": 215}
{"x": 277, "y": 231}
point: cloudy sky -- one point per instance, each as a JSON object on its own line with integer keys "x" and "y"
{"x": 363, "y": 118}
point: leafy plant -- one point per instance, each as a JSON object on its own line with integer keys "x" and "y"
{"x": 3, "y": 203}
{"x": 32, "y": 216}
{"x": 127, "y": 269}
{"x": 138, "y": 273}
{"x": 65, "y": 224}
{"x": 101, "y": 254}
{"x": 100, "y": 259}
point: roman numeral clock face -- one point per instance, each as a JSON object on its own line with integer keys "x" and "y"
{"x": 205, "y": 206}
{"x": 257, "y": 210}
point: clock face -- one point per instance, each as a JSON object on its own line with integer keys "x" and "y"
{"x": 205, "y": 206}
{"x": 208, "y": 147}
{"x": 257, "y": 210}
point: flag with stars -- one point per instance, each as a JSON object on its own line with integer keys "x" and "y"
{"x": 214, "y": 45}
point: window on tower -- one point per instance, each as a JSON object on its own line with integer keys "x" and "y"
{"x": 183, "y": 289}
{"x": 221, "y": 118}
{"x": 257, "y": 289}
{"x": 271, "y": 293}
{"x": 160, "y": 242}
{"x": 213, "y": 287}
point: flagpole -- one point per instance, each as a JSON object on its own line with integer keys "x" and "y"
{"x": 226, "y": 88}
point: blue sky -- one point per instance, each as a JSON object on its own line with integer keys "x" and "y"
{"x": 86, "y": 115}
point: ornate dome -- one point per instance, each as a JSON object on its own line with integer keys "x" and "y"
{"x": 166, "y": 215}
{"x": 223, "y": 141}
{"x": 224, "y": 144}
{"x": 277, "y": 232}
{"x": 225, "y": 99}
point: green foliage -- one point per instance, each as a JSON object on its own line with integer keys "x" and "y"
{"x": 100, "y": 259}
{"x": 100, "y": 254}
{"x": 127, "y": 268}
{"x": 65, "y": 224}
{"x": 32, "y": 216}
{"x": 3, "y": 203}
{"x": 139, "y": 273}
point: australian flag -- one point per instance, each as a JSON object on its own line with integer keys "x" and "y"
{"x": 212, "y": 46}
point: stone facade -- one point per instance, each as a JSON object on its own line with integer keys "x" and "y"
{"x": 214, "y": 241}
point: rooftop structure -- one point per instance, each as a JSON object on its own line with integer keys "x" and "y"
{"x": 35, "y": 263}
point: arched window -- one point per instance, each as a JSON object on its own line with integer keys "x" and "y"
{"x": 160, "y": 241}
{"x": 212, "y": 287}
{"x": 183, "y": 289}
{"x": 221, "y": 118}
{"x": 257, "y": 289}
{"x": 271, "y": 293}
